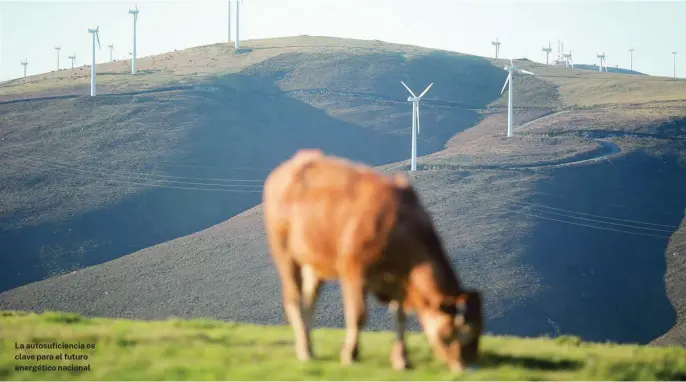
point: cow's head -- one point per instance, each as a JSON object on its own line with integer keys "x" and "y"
{"x": 454, "y": 329}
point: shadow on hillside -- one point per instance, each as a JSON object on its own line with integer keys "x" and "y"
{"x": 602, "y": 284}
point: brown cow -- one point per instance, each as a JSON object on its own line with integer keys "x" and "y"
{"x": 331, "y": 219}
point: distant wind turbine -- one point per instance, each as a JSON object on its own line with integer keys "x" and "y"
{"x": 238, "y": 38}
{"x": 415, "y": 122}
{"x": 511, "y": 69}
{"x": 568, "y": 59}
{"x": 57, "y": 48}
{"x": 631, "y": 59}
{"x": 496, "y": 43}
{"x": 72, "y": 58}
{"x": 602, "y": 61}
{"x": 674, "y": 64}
{"x": 111, "y": 46}
{"x": 24, "y": 63}
{"x": 547, "y": 52}
{"x": 134, "y": 12}
{"x": 229, "y": 20}
{"x": 96, "y": 35}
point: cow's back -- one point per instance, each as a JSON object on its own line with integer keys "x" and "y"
{"x": 330, "y": 212}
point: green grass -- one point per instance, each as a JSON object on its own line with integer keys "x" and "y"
{"x": 205, "y": 349}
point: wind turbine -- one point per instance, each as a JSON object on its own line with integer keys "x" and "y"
{"x": 511, "y": 69}
{"x": 631, "y": 59}
{"x": 674, "y": 63}
{"x": 496, "y": 43}
{"x": 96, "y": 35}
{"x": 602, "y": 61}
{"x": 238, "y": 39}
{"x": 568, "y": 59}
{"x": 111, "y": 46}
{"x": 415, "y": 122}
{"x": 57, "y": 48}
{"x": 229, "y": 21}
{"x": 547, "y": 52}
{"x": 24, "y": 63}
{"x": 72, "y": 58}
{"x": 134, "y": 12}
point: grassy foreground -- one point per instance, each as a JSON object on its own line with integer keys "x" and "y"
{"x": 205, "y": 349}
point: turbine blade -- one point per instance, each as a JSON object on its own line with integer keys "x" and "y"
{"x": 97, "y": 36}
{"x": 408, "y": 89}
{"x": 526, "y": 71}
{"x": 507, "y": 80}
{"x": 426, "y": 90}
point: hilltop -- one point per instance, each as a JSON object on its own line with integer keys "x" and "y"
{"x": 591, "y": 149}
{"x": 208, "y": 349}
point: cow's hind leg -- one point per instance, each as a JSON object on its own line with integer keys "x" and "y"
{"x": 355, "y": 307}
{"x": 291, "y": 283}
{"x": 399, "y": 358}
{"x": 311, "y": 285}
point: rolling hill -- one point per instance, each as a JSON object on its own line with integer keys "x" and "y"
{"x": 568, "y": 227}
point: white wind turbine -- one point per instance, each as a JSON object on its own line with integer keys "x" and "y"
{"x": 57, "y": 48}
{"x": 134, "y": 12}
{"x": 415, "y": 122}
{"x": 511, "y": 69}
{"x": 238, "y": 38}
{"x": 229, "y": 30}
{"x": 496, "y": 43}
{"x": 72, "y": 58}
{"x": 24, "y": 63}
{"x": 547, "y": 52}
{"x": 96, "y": 35}
{"x": 602, "y": 61}
{"x": 568, "y": 59}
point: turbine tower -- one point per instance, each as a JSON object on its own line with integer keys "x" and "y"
{"x": 134, "y": 12}
{"x": 238, "y": 38}
{"x": 547, "y": 52}
{"x": 674, "y": 64}
{"x": 111, "y": 46}
{"x": 631, "y": 59}
{"x": 496, "y": 43}
{"x": 511, "y": 69}
{"x": 96, "y": 35}
{"x": 229, "y": 21}
{"x": 415, "y": 122}
{"x": 57, "y": 48}
{"x": 24, "y": 63}
{"x": 72, "y": 58}
{"x": 602, "y": 61}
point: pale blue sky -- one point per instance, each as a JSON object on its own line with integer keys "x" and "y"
{"x": 32, "y": 29}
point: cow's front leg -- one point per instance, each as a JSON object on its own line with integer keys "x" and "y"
{"x": 399, "y": 358}
{"x": 355, "y": 317}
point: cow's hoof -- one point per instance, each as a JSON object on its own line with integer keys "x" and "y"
{"x": 348, "y": 358}
{"x": 401, "y": 364}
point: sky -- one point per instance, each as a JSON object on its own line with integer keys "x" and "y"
{"x": 32, "y": 29}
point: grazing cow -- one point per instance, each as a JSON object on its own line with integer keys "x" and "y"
{"x": 329, "y": 219}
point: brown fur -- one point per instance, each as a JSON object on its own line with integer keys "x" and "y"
{"x": 331, "y": 219}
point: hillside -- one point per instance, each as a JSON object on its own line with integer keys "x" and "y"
{"x": 554, "y": 224}
{"x": 206, "y": 349}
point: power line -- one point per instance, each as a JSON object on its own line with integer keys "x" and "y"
{"x": 585, "y": 225}
{"x": 599, "y": 216}
{"x": 143, "y": 184}
{"x": 140, "y": 173}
